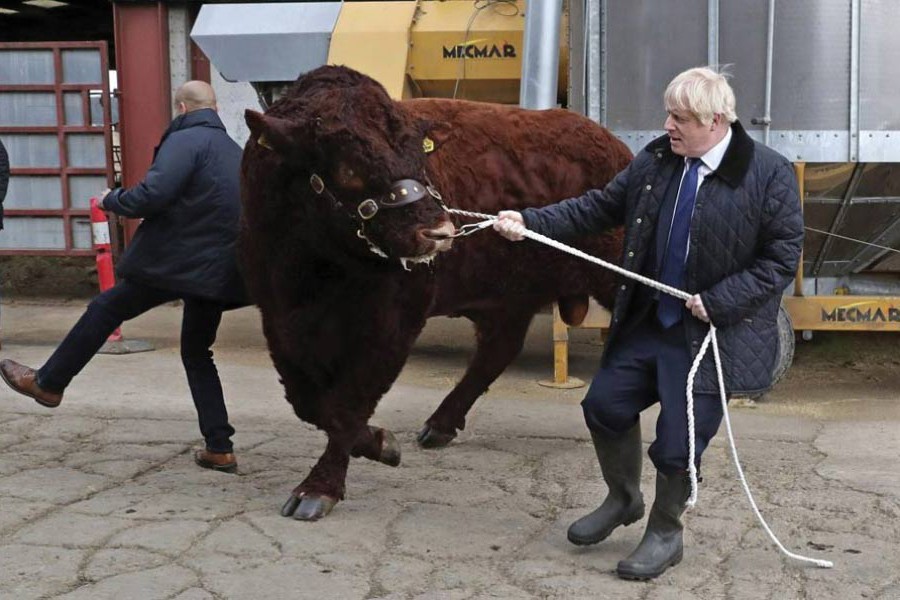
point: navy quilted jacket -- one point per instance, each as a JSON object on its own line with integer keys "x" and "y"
{"x": 746, "y": 236}
{"x": 190, "y": 203}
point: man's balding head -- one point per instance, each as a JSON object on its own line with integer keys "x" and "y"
{"x": 194, "y": 95}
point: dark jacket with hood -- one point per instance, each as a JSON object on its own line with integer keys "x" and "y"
{"x": 190, "y": 205}
{"x": 745, "y": 241}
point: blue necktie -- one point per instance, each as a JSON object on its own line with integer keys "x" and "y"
{"x": 670, "y": 309}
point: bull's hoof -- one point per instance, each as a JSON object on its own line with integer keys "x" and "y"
{"x": 390, "y": 450}
{"x": 429, "y": 437}
{"x": 308, "y": 507}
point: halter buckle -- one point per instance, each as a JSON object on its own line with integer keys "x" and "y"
{"x": 316, "y": 183}
{"x": 367, "y": 209}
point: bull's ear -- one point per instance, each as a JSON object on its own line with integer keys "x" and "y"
{"x": 270, "y": 132}
{"x": 438, "y": 131}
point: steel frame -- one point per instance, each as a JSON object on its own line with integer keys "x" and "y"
{"x": 839, "y": 217}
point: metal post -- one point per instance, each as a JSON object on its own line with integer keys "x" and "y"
{"x": 854, "y": 79}
{"x": 712, "y": 33}
{"x": 594, "y": 70}
{"x": 770, "y": 46}
{"x": 602, "y": 24}
{"x": 577, "y": 94}
{"x": 561, "y": 379}
{"x": 540, "y": 60}
{"x": 766, "y": 119}
{"x": 800, "y": 172}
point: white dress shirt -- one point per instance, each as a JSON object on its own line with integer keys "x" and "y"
{"x": 709, "y": 162}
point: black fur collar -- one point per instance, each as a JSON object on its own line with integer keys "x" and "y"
{"x": 737, "y": 157}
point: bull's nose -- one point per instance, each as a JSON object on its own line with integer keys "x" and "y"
{"x": 443, "y": 245}
{"x": 441, "y": 236}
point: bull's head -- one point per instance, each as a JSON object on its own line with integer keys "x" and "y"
{"x": 359, "y": 153}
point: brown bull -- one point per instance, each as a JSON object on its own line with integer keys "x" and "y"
{"x": 347, "y": 252}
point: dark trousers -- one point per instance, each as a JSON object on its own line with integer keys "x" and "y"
{"x": 649, "y": 365}
{"x": 125, "y": 301}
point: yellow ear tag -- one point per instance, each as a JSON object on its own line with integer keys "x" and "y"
{"x": 262, "y": 141}
{"x": 428, "y": 145}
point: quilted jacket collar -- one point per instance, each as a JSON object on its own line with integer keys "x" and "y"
{"x": 735, "y": 162}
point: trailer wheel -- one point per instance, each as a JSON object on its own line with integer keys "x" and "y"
{"x": 786, "y": 341}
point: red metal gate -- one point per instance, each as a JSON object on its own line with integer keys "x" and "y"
{"x": 55, "y": 122}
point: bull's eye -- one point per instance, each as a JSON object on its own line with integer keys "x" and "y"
{"x": 347, "y": 178}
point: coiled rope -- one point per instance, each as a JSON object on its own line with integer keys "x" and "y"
{"x": 710, "y": 339}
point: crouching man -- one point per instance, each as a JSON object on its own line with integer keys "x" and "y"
{"x": 709, "y": 211}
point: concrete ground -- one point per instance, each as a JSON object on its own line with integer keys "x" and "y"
{"x": 100, "y": 498}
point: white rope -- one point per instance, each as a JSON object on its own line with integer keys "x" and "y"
{"x": 709, "y": 339}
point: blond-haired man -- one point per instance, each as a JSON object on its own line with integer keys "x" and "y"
{"x": 707, "y": 210}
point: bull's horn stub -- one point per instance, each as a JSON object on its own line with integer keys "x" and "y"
{"x": 262, "y": 141}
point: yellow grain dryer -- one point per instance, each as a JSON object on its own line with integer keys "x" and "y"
{"x": 427, "y": 48}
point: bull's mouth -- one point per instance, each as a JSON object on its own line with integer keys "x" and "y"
{"x": 406, "y": 261}
{"x": 438, "y": 239}
{"x": 441, "y": 239}
{"x": 431, "y": 243}
{"x": 437, "y": 235}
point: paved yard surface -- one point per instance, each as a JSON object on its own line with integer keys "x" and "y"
{"x": 100, "y": 498}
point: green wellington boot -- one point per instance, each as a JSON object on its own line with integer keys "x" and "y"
{"x": 662, "y": 546}
{"x": 620, "y": 458}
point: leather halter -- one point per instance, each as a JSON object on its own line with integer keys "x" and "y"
{"x": 402, "y": 192}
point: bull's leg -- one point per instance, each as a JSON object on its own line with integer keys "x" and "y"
{"x": 342, "y": 413}
{"x": 340, "y": 396}
{"x": 378, "y": 444}
{"x": 500, "y": 336}
{"x": 324, "y": 486}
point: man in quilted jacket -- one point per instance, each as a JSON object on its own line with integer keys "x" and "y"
{"x": 710, "y": 211}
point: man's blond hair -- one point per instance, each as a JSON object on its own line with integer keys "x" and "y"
{"x": 196, "y": 95}
{"x": 704, "y": 92}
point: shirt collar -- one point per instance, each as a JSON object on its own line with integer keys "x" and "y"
{"x": 713, "y": 158}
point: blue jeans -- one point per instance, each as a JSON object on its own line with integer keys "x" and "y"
{"x": 646, "y": 366}
{"x": 125, "y": 301}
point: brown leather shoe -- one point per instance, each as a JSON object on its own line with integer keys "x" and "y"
{"x": 23, "y": 380}
{"x": 217, "y": 461}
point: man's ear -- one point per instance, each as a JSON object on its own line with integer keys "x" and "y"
{"x": 271, "y": 132}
